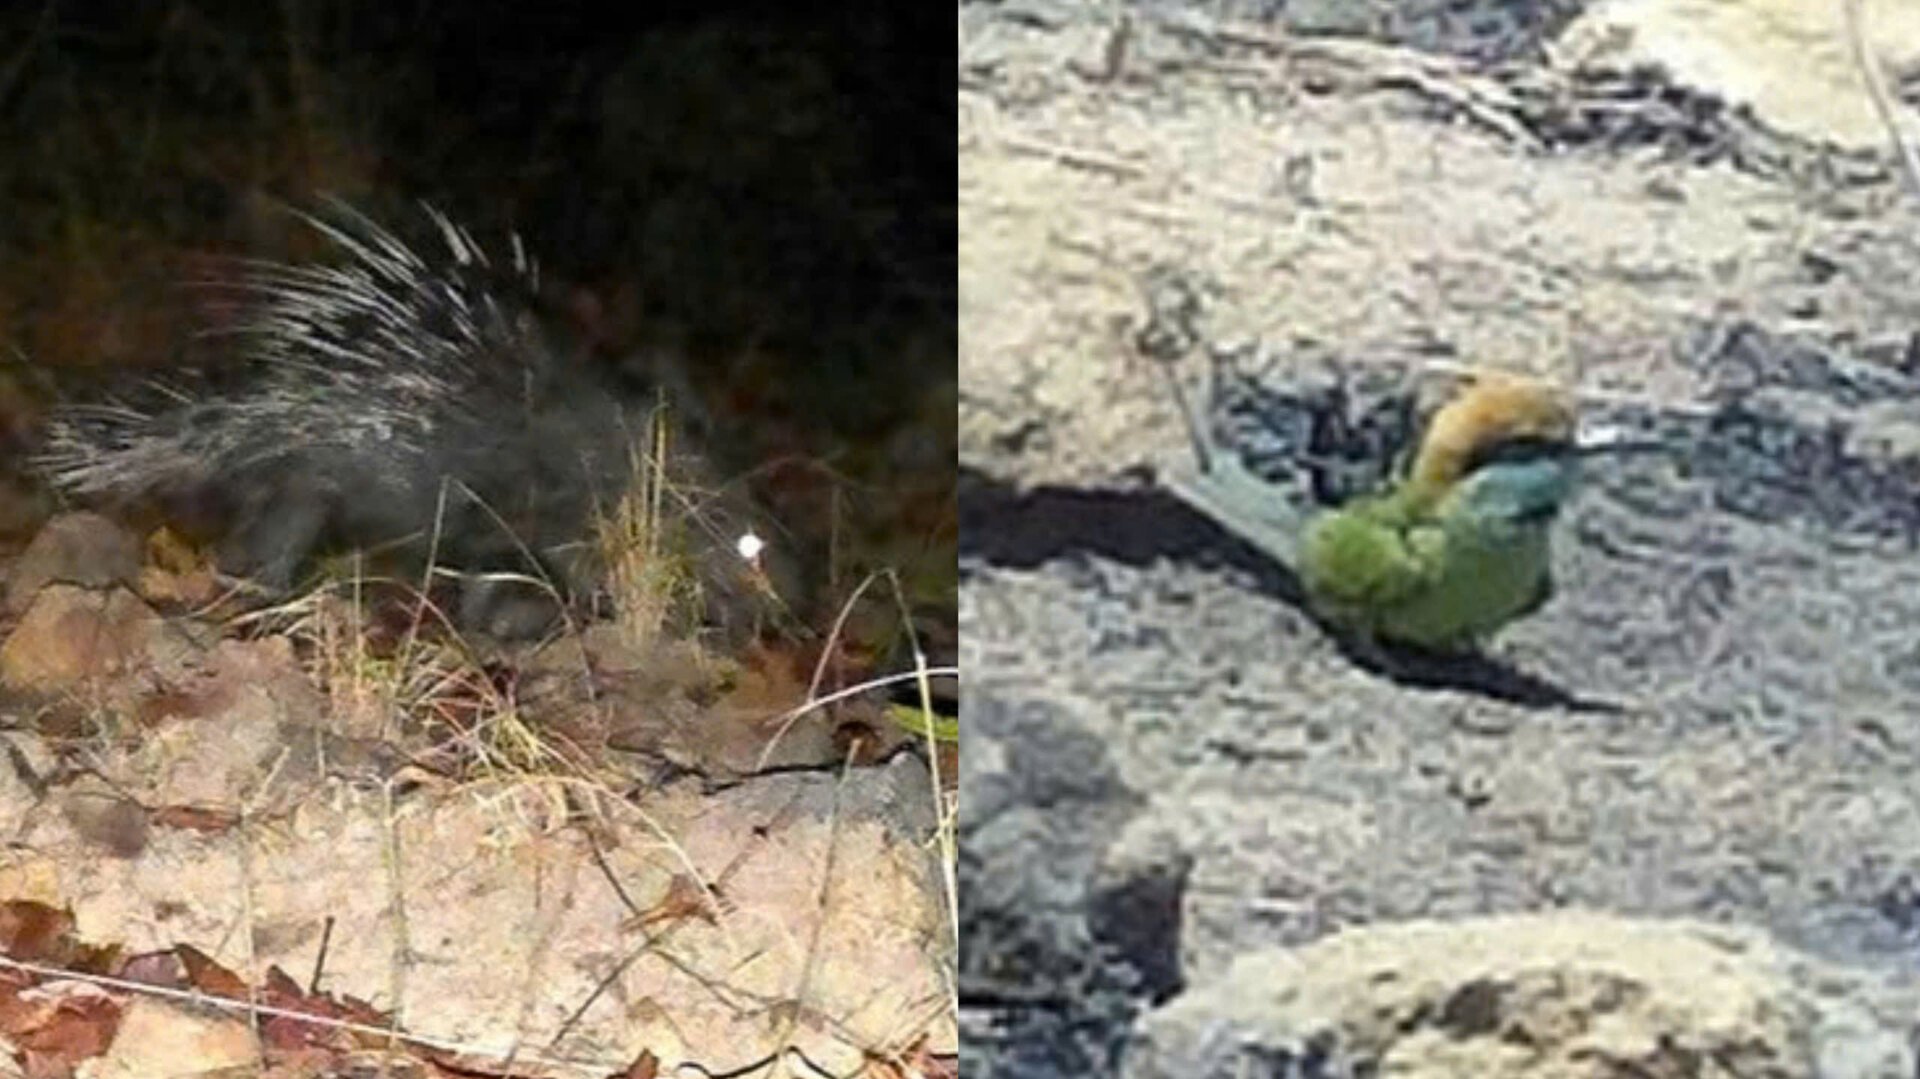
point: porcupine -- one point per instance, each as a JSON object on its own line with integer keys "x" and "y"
{"x": 392, "y": 401}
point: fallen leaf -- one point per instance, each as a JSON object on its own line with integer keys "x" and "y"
{"x": 210, "y": 977}
{"x": 644, "y": 1066}
{"x": 684, "y": 899}
{"x": 291, "y": 1032}
{"x": 917, "y": 1063}
{"x": 37, "y": 933}
{"x": 56, "y": 1026}
{"x": 163, "y": 969}
{"x": 941, "y": 1067}
{"x": 33, "y": 932}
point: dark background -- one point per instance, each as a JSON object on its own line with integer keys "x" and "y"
{"x": 767, "y": 190}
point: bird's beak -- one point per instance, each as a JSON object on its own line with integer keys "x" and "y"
{"x": 1593, "y": 440}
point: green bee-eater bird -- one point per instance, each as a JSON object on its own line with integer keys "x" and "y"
{"x": 1454, "y": 548}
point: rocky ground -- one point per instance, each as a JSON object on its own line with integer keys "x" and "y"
{"x": 596, "y": 857}
{"x": 1200, "y": 838}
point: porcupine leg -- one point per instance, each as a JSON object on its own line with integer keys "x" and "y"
{"x": 506, "y": 610}
{"x": 277, "y": 531}
{"x": 513, "y": 592}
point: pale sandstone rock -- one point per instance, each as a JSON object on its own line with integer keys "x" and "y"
{"x": 1560, "y": 995}
{"x": 1791, "y": 60}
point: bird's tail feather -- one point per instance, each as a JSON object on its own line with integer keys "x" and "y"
{"x": 1215, "y": 482}
{"x": 1234, "y": 498}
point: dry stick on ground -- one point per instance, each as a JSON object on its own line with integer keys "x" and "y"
{"x": 1479, "y": 98}
{"x": 819, "y": 668}
{"x": 647, "y": 942}
{"x": 656, "y": 942}
{"x": 947, "y": 829}
{"x": 320, "y": 956}
{"x": 249, "y": 812}
{"x": 708, "y": 890}
{"x": 833, "y": 638}
{"x": 823, "y": 906}
{"x": 1876, "y": 80}
{"x": 546, "y": 929}
{"x": 588, "y": 1068}
{"x": 921, "y": 673}
{"x": 790, "y": 716}
{"x": 396, "y": 897}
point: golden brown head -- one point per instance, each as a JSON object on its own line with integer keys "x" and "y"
{"x": 1491, "y": 410}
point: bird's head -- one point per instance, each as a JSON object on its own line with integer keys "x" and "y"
{"x": 1505, "y": 445}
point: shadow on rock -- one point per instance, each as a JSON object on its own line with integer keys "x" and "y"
{"x": 1003, "y": 526}
{"x": 1466, "y": 672}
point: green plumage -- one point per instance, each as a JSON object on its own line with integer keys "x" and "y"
{"x": 1442, "y": 579}
{"x": 1449, "y": 552}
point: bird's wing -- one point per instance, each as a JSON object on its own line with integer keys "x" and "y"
{"x": 1372, "y": 556}
{"x": 1541, "y": 596}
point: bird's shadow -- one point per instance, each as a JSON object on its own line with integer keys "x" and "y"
{"x": 1004, "y": 526}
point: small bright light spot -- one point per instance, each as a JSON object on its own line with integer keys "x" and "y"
{"x": 750, "y": 546}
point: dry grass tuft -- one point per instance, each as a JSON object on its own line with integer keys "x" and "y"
{"x": 641, "y": 541}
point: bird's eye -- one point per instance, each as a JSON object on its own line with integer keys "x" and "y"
{"x": 1516, "y": 449}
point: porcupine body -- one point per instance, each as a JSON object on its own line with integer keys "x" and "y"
{"x": 401, "y": 403}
